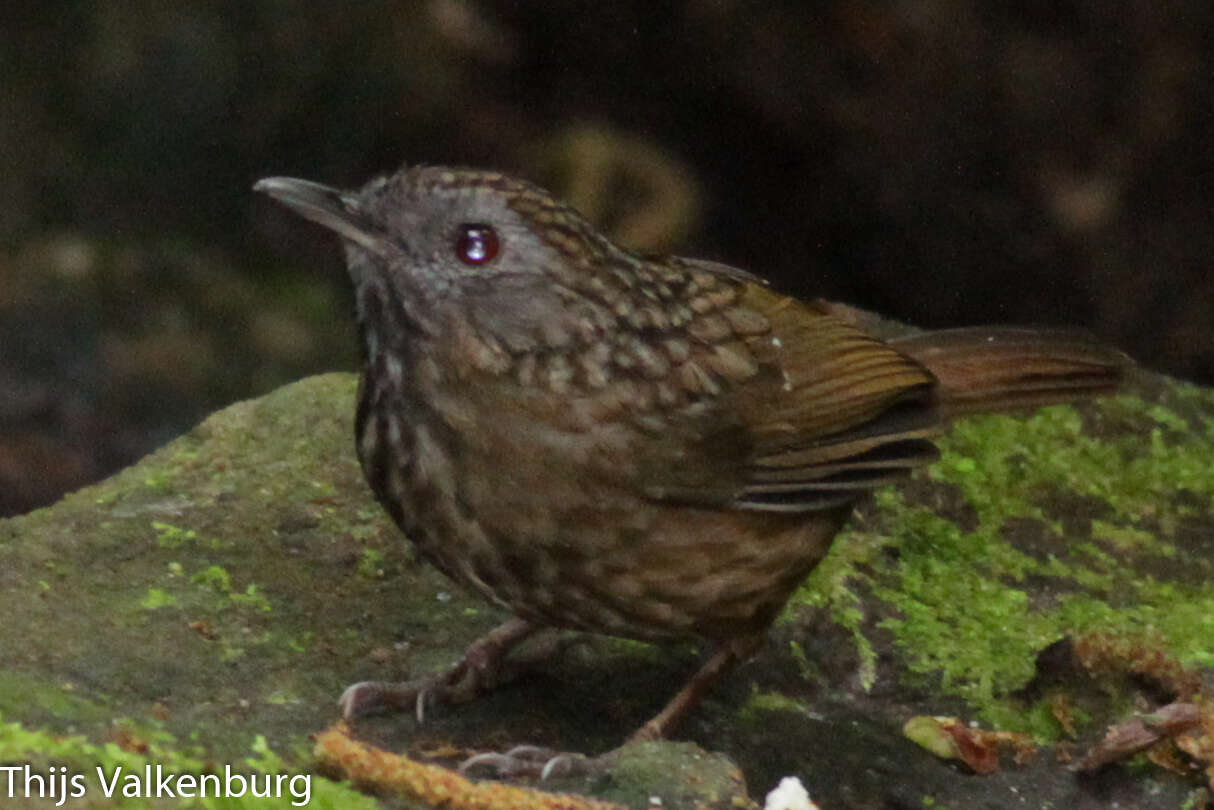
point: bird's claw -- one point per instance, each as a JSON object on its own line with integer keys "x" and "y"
{"x": 529, "y": 761}
{"x": 362, "y": 698}
{"x": 482, "y": 666}
{"x": 374, "y": 697}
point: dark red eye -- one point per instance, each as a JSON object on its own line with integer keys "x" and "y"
{"x": 476, "y": 243}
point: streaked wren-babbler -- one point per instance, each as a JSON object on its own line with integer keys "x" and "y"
{"x": 651, "y": 447}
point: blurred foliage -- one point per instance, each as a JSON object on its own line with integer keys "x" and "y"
{"x": 942, "y": 163}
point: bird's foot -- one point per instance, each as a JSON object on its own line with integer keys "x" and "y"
{"x": 376, "y": 697}
{"x": 530, "y": 762}
{"x": 482, "y": 667}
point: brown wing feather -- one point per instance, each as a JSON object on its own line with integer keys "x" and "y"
{"x": 849, "y": 413}
{"x": 820, "y": 414}
{"x": 762, "y": 403}
{"x": 736, "y": 398}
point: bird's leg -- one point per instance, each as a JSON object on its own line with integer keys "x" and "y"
{"x": 475, "y": 672}
{"x": 533, "y": 761}
{"x": 724, "y": 658}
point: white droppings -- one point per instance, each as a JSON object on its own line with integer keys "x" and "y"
{"x": 790, "y": 794}
{"x": 776, "y": 343}
{"x": 787, "y": 381}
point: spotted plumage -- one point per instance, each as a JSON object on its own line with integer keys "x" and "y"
{"x": 651, "y": 447}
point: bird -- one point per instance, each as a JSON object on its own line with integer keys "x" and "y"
{"x": 653, "y": 447}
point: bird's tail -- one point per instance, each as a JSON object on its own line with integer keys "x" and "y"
{"x": 1005, "y": 368}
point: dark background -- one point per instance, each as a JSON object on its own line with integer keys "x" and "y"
{"x": 946, "y": 162}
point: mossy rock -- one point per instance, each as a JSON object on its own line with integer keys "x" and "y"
{"x": 208, "y": 604}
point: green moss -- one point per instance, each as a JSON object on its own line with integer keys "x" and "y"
{"x": 158, "y": 480}
{"x": 371, "y": 563}
{"x": 832, "y": 586}
{"x": 169, "y": 536}
{"x": 251, "y": 598}
{"x": 33, "y": 695}
{"x": 213, "y": 577}
{"x": 930, "y": 802}
{"x": 958, "y": 618}
{"x": 1041, "y": 723}
{"x": 1021, "y": 457}
{"x": 973, "y": 609}
{"x": 760, "y": 704}
{"x": 230, "y": 593}
{"x": 158, "y": 598}
{"x": 1199, "y": 798}
{"x": 688, "y": 776}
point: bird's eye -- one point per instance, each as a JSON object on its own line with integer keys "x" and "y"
{"x": 476, "y": 243}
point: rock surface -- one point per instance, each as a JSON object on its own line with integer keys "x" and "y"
{"x": 208, "y": 604}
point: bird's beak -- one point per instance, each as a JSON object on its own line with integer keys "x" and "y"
{"x": 339, "y": 211}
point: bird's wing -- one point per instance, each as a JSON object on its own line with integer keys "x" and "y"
{"x": 809, "y": 411}
{"x": 833, "y": 413}
{"x": 732, "y": 397}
